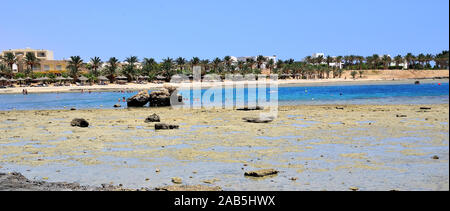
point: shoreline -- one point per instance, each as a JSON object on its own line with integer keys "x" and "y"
{"x": 154, "y": 86}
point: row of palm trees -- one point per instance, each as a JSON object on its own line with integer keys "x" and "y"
{"x": 354, "y": 62}
{"x": 319, "y": 67}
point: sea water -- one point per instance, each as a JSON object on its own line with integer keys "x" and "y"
{"x": 431, "y": 93}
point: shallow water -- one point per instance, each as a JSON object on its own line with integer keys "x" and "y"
{"x": 316, "y": 95}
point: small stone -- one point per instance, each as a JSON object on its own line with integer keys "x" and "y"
{"x": 261, "y": 173}
{"x": 354, "y": 188}
{"x": 152, "y": 118}
{"x": 157, "y": 170}
{"x": 162, "y": 126}
{"x": 117, "y": 106}
{"x": 293, "y": 178}
{"x": 78, "y": 122}
{"x": 73, "y": 109}
{"x": 435, "y": 157}
{"x": 177, "y": 180}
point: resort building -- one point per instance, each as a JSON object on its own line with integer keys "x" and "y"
{"x": 46, "y": 60}
{"x": 40, "y": 54}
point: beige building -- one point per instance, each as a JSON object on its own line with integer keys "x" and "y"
{"x": 46, "y": 61}
{"x": 40, "y": 54}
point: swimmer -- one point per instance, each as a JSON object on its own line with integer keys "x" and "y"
{"x": 123, "y": 100}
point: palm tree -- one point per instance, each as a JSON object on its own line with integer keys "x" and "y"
{"x": 30, "y": 60}
{"x": 250, "y": 62}
{"x": 74, "y": 65}
{"x": 375, "y": 60}
{"x": 260, "y": 60}
{"x": 227, "y": 61}
{"x": 111, "y": 69}
{"x": 421, "y": 60}
{"x": 319, "y": 60}
{"x": 360, "y": 61}
{"x": 410, "y": 60}
{"x": 180, "y": 62}
{"x": 428, "y": 59}
{"x": 386, "y": 61}
{"x": 280, "y": 64}
{"x": 167, "y": 67}
{"x": 398, "y": 60}
{"x": 270, "y": 65}
{"x": 205, "y": 64}
{"x": 194, "y": 62}
{"x": 96, "y": 62}
{"x": 149, "y": 67}
{"x": 130, "y": 68}
{"x": 10, "y": 59}
{"x": 216, "y": 63}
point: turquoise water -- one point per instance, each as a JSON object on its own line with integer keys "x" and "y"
{"x": 319, "y": 95}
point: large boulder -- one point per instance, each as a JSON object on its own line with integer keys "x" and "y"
{"x": 138, "y": 100}
{"x": 78, "y": 122}
{"x": 161, "y": 98}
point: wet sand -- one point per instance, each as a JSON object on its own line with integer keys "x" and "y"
{"x": 385, "y": 147}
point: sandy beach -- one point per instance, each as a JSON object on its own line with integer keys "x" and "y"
{"x": 385, "y": 147}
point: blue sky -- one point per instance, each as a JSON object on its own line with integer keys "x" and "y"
{"x": 210, "y": 28}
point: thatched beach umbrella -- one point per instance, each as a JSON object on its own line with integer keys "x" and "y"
{"x": 60, "y": 78}
{"x": 103, "y": 78}
{"x": 160, "y": 77}
{"x": 121, "y": 77}
{"x": 82, "y": 78}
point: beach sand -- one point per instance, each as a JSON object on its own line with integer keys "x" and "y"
{"x": 372, "y": 147}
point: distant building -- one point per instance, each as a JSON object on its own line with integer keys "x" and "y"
{"x": 40, "y": 54}
{"x": 46, "y": 60}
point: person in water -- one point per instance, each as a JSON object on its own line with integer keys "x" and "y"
{"x": 123, "y": 99}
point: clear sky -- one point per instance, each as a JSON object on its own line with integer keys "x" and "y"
{"x": 210, "y": 28}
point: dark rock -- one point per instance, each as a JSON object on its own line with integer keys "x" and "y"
{"x": 162, "y": 126}
{"x": 152, "y": 118}
{"x": 425, "y": 108}
{"x": 401, "y": 116}
{"x": 339, "y": 108}
{"x": 252, "y": 108}
{"x": 417, "y": 83}
{"x": 117, "y": 106}
{"x": 161, "y": 98}
{"x": 73, "y": 109}
{"x": 78, "y": 122}
{"x": 258, "y": 119}
{"x": 435, "y": 157}
{"x": 261, "y": 173}
{"x": 138, "y": 100}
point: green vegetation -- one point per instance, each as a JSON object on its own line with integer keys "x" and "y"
{"x": 309, "y": 68}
